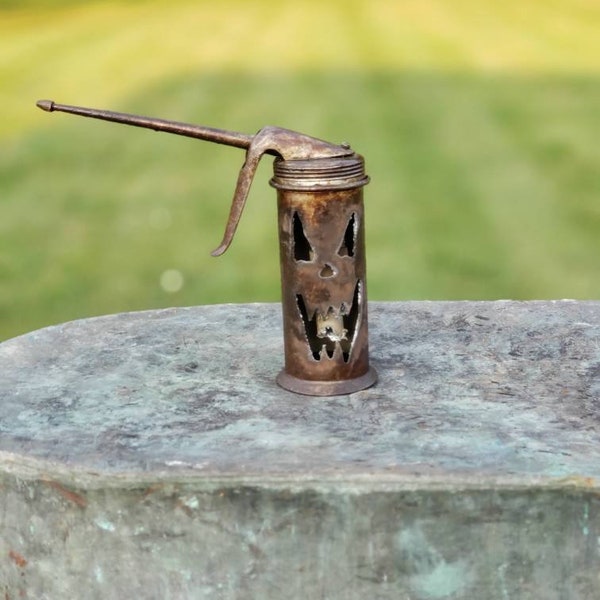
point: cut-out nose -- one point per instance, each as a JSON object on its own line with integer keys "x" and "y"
{"x": 327, "y": 272}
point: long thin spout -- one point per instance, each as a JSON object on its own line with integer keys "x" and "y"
{"x": 210, "y": 134}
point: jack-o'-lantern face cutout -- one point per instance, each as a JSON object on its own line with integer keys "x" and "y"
{"x": 329, "y": 289}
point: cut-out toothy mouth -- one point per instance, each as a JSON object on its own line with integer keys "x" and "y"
{"x": 332, "y": 334}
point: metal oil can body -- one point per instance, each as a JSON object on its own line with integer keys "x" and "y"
{"x": 323, "y": 275}
{"x": 321, "y": 235}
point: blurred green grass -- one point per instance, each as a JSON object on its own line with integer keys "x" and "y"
{"x": 479, "y": 125}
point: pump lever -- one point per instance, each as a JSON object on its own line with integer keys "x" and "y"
{"x": 285, "y": 143}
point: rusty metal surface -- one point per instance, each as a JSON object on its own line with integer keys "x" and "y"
{"x": 277, "y": 141}
{"x": 323, "y": 276}
{"x": 322, "y": 248}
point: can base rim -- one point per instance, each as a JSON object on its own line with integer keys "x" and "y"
{"x": 326, "y": 388}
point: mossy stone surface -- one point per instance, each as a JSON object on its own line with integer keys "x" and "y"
{"x": 152, "y": 455}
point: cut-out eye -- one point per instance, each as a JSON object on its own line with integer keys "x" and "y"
{"x": 302, "y": 248}
{"x": 349, "y": 241}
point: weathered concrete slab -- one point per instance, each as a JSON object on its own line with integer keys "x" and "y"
{"x": 151, "y": 455}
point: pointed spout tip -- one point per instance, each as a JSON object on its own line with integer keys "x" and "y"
{"x": 47, "y": 105}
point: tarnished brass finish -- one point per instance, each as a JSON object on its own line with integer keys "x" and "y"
{"x": 277, "y": 141}
{"x": 321, "y": 233}
{"x": 323, "y": 275}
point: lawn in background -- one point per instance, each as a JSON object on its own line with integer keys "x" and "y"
{"x": 479, "y": 123}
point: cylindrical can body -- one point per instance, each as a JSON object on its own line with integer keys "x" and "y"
{"x": 323, "y": 275}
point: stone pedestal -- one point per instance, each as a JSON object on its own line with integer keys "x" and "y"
{"x": 152, "y": 455}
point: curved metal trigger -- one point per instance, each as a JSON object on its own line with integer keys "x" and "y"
{"x": 265, "y": 141}
{"x": 257, "y": 148}
{"x": 287, "y": 144}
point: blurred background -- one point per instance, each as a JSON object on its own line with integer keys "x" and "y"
{"x": 479, "y": 121}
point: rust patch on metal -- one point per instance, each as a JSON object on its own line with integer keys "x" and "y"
{"x": 323, "y": 277}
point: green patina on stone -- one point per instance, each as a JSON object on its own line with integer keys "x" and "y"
{"x": 152, "y": 455}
